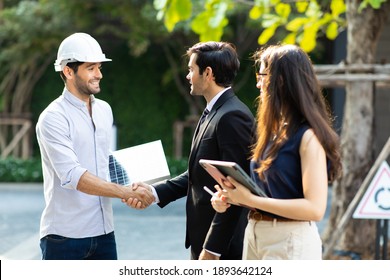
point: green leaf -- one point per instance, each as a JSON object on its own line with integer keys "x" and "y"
{"x": 177, "y": 11}
{"x": 290, "y": 38}
{"x": 283, "y": 10}
{"x": 183, "y": 8}
{"x": 308, "y": 42}
{"x": 200, "y": 23}
{"x": 296, "y": 24}
{"x": 376, "y": 4}
{"x": 337, "y": 7}
{"x": 256, "y": 12}
{"x": 171, "y": 18}
{"x": 313, "y": 10}
{"x": 267, "y": 34}
{"x": 273, "y": 2}
{"x": 332, "y": 30}
{"x": 301, "y": 6}
{"x": 212, "y": 34}
{"x": 362, "y": 6}
{"x": 201, "y": 26}
{"x": 326, "y": 18}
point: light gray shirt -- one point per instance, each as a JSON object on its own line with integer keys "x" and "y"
{"x": 72, "y": 142}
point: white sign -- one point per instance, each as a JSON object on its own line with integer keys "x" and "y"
{"x": 375, "y": 203}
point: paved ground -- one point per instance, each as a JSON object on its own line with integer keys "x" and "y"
{"x": 151, "y": 234}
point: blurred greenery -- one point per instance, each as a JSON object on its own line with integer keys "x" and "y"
{"x": 18, "y": 170}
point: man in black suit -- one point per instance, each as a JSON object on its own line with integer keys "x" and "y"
{"x": 224, "y": 134}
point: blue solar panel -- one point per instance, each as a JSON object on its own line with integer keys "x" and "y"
{"x": 117, "y": 173}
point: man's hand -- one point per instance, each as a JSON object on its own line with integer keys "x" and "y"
{"x": 205, "y": 255}
{"x": 219, "y": 201}
{"x": 141, "y": 196}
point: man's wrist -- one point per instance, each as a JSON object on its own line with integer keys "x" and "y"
{"x": 156, "y": 199}
{"x": 213, "y": 253}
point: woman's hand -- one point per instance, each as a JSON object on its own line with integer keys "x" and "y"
{"x": 236, "y": 192}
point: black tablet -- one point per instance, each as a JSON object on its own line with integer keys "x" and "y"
{"x": 220, "y": 169}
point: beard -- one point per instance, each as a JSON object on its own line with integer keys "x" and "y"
{"x": 84, "y": 87}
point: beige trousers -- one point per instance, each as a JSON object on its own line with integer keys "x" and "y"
{"x": 267, "y": 240}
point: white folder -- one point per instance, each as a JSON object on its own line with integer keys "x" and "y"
{"x": 142, "y": 163}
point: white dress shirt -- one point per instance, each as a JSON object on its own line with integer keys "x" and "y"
{"x": 72, "y": 142}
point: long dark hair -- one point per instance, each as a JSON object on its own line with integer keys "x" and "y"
{"x": 292, "y": 95}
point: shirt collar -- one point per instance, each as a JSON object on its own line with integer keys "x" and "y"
{"x": 74, "y": 100}
{"x": 215, "y": 98}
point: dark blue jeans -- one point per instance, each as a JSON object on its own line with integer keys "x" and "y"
{"x": 55, "y": 247}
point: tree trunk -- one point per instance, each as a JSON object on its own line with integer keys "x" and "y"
{"x": 357, "y": 137}
{"x": 17, "y": 88}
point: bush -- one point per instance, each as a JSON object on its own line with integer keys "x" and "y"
{"x": 18, "y": 170}
{"x": 177, "y": 166}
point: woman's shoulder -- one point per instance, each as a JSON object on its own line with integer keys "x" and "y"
{"x": 309, "y": 140}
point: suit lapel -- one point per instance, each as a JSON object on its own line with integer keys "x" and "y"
{"x": 200, "y": 129}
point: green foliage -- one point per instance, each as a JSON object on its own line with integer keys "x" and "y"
{"x": 29, "y": 29}
{"x": 210, "y": 23}
{"x": 174, "y": 11}
{"x": 376, "y": 4}
{"x": 303, "y": 21}
{"x": 30, "y": 32}
{"x": 17, "y": 170}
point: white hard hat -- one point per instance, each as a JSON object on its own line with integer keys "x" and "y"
{"x": 79, "y": 47}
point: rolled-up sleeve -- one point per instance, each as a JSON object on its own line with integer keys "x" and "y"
{"x": 53, "y": 134}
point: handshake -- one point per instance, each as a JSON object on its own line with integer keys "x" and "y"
{"x": 139, "y": 196}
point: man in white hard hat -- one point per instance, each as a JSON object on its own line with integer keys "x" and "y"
{"x": 74, "y": 134}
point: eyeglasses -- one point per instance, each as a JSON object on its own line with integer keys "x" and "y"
{"x": 259, "y": 76}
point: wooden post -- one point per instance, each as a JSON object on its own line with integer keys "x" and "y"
{"x": 178, "y": 128}
{"x": 22, "y": 136}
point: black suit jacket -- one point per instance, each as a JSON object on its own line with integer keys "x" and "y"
{"x": 226, "y": 134}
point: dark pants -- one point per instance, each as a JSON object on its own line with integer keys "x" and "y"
{"x": 55, "y": 247}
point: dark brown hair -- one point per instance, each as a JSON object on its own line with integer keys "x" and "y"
{"x": 292, "y": 95}
{"x": 221, "y": 57}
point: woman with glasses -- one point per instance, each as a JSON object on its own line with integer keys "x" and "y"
{"x": 295, "y": 157}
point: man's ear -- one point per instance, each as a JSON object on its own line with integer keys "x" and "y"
{"x": 208, "y": 72}
{"x": 68, "y": 72}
